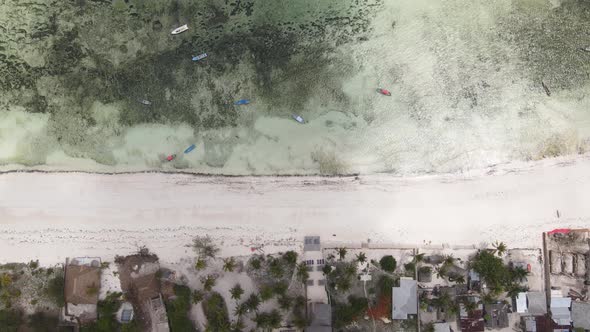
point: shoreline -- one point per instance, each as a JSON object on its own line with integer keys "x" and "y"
{"x": 49, "y": 216}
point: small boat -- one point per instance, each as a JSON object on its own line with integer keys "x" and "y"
{"x": 384, "y": 92}
{"x": 189, "y": 149}
{"x": 180, "y": 29}
{"x": 298, "y": 118}
{"x": 242, "y": 102}
{"x": 144, "y": 102}
{"x": 199, "y": 57}
{"x": 546, "y": 88}
{"x": 585, "y": 49}
{"x": 171, "y": 157}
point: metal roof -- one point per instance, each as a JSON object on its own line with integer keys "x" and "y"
{"x": 405, "y": 299}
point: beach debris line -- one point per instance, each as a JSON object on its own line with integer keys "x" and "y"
{"x": 199, "y": 57}
{"x": 242, "y": 102}
{"x": 180, "y": 29}
{"x": 547, "y": 91}
{"x": 384, "y": 92}
{"x": 298, "y": 118}
{"x": 171, "y": 157}
{"x": 190, "y": 148}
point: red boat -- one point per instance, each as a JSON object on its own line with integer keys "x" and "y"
{"x": 171, "y": 157}
{"x": 384, "y": 92}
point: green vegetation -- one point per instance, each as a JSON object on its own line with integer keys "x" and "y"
{"x": 385, "y": 285}
{"x": 268, "y": 320}
{"x": 342, "y": 253}
{"x": 10, "y": 320}
{"x": 208, "y": 282}
{"x": 388, "y": 263}
{"x": 55, "y": 289}
{"x": 253, "y": 302}
{"x": 341, "y": 277}
{"x": 204, "y": 247}
{"x": 346, "y": 313}
{"x": 498, "y": 276}
{"x": 178, "y": 308}
{"x": 229, "y": 264}
{"x": 299, "y": 318}
{"x": 256, "y": 264}
{"x": 302, "y": 274}
{"x": 216, "y": 313}
{"x": 290, "y": 257}
{"x": 106, "y": 315}
{"x": 42, "y": 322}
{"x": 361, "y": 257}
{"x": 236, "y": 292}
{"x": 198, "y": 296}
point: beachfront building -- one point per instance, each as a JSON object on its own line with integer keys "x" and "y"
{"x": 318, "y": 304}
{"x": 82, "y": 284}
{"x": 404, "y": 299}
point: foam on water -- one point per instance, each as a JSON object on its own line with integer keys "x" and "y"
{"x": 465, "y": 81}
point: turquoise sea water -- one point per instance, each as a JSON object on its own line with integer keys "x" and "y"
{"x": 466, "y": 81}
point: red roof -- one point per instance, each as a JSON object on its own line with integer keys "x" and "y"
{"x": 473, "y": 322}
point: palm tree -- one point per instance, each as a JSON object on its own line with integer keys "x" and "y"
{"x": 201, "y": 264}
{"x": 449, "y": 260}
{"x": 253, "y": 302}
{"x": 238, "y": 325}
{"x": 302, "y": 274}
{"x": 500, "y": 248}
{"x": 236, "y": 292}
{"x": 229, "y": 264}
{"x": 240, "y": 309}
{"x": 418, "y": 258}
{"x": 460, "y": 279}
{"x": 285, "y": 302}
{"x": 208, "y": 282}
{"x": 342, "y": 253}
{"x": 518, "y": 273}
{"x": 361, "y": 257}
{"x": 441, "y": 271}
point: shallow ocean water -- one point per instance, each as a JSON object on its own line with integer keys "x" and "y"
{"x": 466, "y": 81}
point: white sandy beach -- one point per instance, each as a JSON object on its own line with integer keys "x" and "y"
{"x": 49, "y": 216}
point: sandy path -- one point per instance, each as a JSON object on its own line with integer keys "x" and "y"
{"x": 50, "y": 216}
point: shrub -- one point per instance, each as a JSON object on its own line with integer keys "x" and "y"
{"x": 492, "y": 271}
{"x": 204, "y": 247}
{"x": 55, "y": 290}
{"x": 178, "y": 308}
{"x": 268, "y": 320}
{"x": 236, "y": 292}
{"x": 42, "y": 322}
{"x": 385, "y": 285}
{"x": 10, "y": 320}
{"x": 388, "y": 263}
{"x": 216, "y": 313}
{"x": 346, "y": 313}
{"x": 266, "y": 292}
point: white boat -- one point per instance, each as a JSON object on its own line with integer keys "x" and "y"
{"x": 180, "y": 29}
{"x": 298, "y": 118}
{"x": 199, "y": 57}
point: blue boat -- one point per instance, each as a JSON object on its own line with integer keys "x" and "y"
{"x": 242, "y": 102}
{"x": 189, "y": 149}
{"x": 199, "y": 57}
